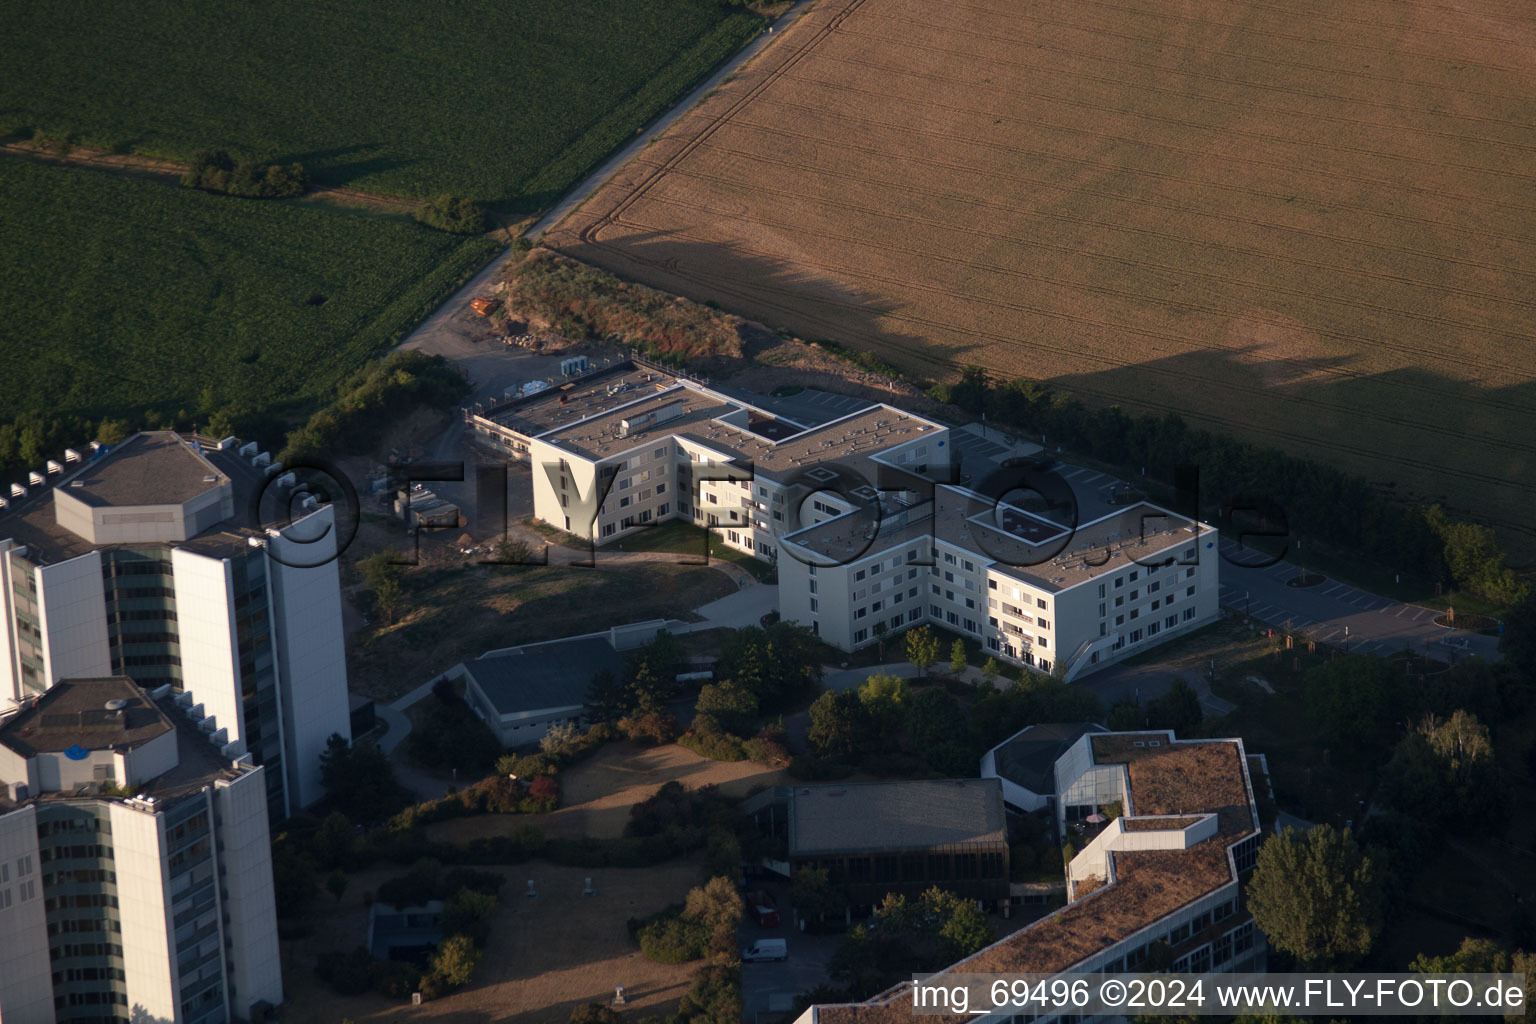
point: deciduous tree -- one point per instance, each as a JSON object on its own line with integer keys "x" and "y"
{"x": 1316, "y": 896}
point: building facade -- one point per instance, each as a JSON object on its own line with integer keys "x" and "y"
{"x": 1028, "y": 589}
{"x": 1157, "y": 888}
{"x": 137, "y": 561}
{"x": 157, "y": 906}
{"x": 862, "y": 515}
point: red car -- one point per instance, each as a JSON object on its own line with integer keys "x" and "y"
{"x": 767, "y": 917}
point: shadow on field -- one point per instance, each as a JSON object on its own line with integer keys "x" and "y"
{"x": 1410, "y": 431}
{"x": 780, "y": 293}
{"x": 330, "y": 166}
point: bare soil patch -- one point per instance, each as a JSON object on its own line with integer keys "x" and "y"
{"x": 597, "y": 793}
{"x": 1305, "y": 224}
{"x": 545, "y": 956}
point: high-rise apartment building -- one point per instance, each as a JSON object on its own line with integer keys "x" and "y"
{"x": 141, "y": 560}
{"x": 135, "y": 864}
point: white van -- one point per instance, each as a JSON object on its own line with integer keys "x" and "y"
{"x": 766, "y": 949}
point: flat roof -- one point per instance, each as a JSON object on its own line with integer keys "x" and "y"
{"x": 590, "y": 395}
{"x": 74, "y": 713}
{"x": 31, "y": 521}
{"x": 1037, "y": 551}
{"x": 538, "y": 677}
{"x": 778, "y": 449}
{"x": 1183, "y": 777}
{"x": 908, "y": 815}
{"x": 154, "y": 467}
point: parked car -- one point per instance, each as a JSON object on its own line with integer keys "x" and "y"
{"x": 1459, "y": 643}
{"x": 767, "y": 917}
{"x": 766, "y": 949}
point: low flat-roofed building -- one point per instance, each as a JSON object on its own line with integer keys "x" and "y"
{"x": 521, "y": 691}
{"x": 905, "y": 837}
{"x": 1168, "y": 872}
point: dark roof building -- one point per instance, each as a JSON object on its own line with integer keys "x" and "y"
{"x": 908, "y": 815}
{"x": 1026, "y": 761}
{"x": 521, "y": 691}
{"x": 875, "y": 838}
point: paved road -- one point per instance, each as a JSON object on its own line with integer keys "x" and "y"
{"x": 1336, "y": 613}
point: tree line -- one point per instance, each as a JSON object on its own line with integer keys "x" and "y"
{"x": 1318, "y": 501}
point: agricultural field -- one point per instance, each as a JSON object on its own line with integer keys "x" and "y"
{"x": 1310, "y": 225}
{"x": 124, "y": 295}
{"x": 506, "y": 103}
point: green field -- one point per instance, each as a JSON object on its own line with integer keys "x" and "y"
{"x": 507, "y": 103}
{"x": 123, "y": 295}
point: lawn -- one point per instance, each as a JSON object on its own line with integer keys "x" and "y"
{"x": 508, "y": 103}
{"x": 457, "y": 613}
{"x": 687, "y": 541}
{"x": 130, "y": 295}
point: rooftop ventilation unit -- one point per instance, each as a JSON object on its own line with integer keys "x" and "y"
{"x": 70, "y": 455}
{"x": 55, "y": 467}
{"x": 226, "y": 443}
{"x": 18, "y": 491}
{"x": 36, "y": 479}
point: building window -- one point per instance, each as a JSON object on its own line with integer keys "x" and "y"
{"x": 815, "y": 605}
{"x": 860, "y": 613}
{"x": 860, "y": 636}
{"x": 1043, "y": 641}
{"x": 1189, "y": 591}
{"x": 1171, "y": 621}
{"x": 1120, "y": 601}
{"x": 1043, "y": 623}
{"x": 1189, "y": 613}
{"x": 858, "y": 575}
{"x": 1119, "y": 582}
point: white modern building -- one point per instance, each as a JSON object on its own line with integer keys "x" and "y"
{"x": 135, "y": 864}
{"x": 1156, "y": 888}
{"x": 634, "y": 445}
{"x": 141, "y": 560}
{"x": 1030, "y": 590}
{"x": 862, "y": 513}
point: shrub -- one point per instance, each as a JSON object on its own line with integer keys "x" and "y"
{"x": 765, "y": 751}
{"x": 455, "y": 961}
{"x": 707, "y": 739}
{"x": 652, "y": 727}
{"x": 454, "y": 214}
{"x": 545, "y": 790}
{"x": 394, "y": 979}
{"x": 595, "y": 1013}
{"x": 674, "y": 940}
{"x": 215, "y": 171}
{"x": 469, "y": 912}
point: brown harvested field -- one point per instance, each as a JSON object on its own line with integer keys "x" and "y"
{"x": 545, "y": 956}
{"x": 596, "y": 794}
{"x": 1308, "y": 223}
